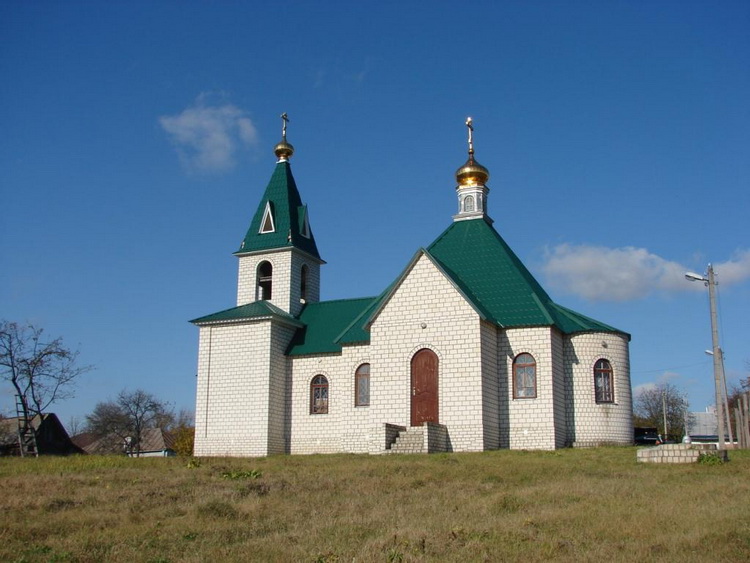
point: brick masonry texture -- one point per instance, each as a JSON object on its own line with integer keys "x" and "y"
{"x": 287, "y": 279}
{"x": 253, "y": 400}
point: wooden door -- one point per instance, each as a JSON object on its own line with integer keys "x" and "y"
{"x": 424, "y": 387}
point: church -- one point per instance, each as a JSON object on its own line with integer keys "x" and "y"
{"x": 464, "y": 351}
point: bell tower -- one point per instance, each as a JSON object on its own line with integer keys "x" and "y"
{"x": 278, "y": 258}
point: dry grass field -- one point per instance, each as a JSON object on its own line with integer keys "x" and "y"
{"x": 569, "y": 505}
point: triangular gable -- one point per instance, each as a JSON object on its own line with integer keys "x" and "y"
{"x": 386, "y": 297}
{"x": 267, "y": 224}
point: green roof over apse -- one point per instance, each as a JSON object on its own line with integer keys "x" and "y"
{"x": 289, "y": 215}
{"x": 326, "y": 322}
{"x": 481, "y": 264}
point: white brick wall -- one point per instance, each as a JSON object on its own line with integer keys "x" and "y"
{"x": 492, "y": 388}
{"x": 345, "y": 428}
{"x": 531, "y": 422}
{"x": 235, "y": 386}
{"x": 590, "y": 423}
{"x": 287, "y": 270}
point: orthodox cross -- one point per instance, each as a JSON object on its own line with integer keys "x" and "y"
{"x": 284, "y": 120}
{"x": 471, "y": 135}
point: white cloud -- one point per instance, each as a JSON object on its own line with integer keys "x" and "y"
{"x": 638, "y": 389}
{"x": 735, "y": 270}
{"x": 622, "y": 274}
{"x": 208, "y": 137}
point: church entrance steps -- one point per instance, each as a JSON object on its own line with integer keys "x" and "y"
{"x": 428, "y": 438}
{"x": 409, "y": 441}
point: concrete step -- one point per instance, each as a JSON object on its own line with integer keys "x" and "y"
{"x": 410, "y": 441}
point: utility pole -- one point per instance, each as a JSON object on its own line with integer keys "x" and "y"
{"x": 711, "y": 282}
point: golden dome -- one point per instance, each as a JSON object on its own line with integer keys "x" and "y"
{"x": 283, "y": 150}
{"x": 472, "y": 173}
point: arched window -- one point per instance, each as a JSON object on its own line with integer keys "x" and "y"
{"x": 303, "y": 284}
{"x": 469, "y": 203}
{"x": 319, "y": 395}
{"x": 265, "y": 279}
{"x": 362, "y": 386}
{"x": 524, "y": 377}
{"x": 604, "y": 382}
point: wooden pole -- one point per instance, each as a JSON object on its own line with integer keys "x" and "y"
{"x": 745, "y": 409}
{"x": 739, "y": 419}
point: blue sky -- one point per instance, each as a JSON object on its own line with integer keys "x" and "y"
{"x": 137, "y": 140}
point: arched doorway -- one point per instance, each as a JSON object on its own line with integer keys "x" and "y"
{"x": 424, "y": 387}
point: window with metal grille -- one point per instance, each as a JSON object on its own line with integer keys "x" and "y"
{"x": 362, "y": 386}
{"x": 319, "y": 395}
{"x": 604, "y": 382}
{"x": 524, "y": 377}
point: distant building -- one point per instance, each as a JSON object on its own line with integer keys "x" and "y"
{"x": 155, "y": 442}
{"x": 704, "y": 425}
{"x": 464, "y": 351}
{"x": 51, "y": 436}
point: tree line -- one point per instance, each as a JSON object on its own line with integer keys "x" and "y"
{"x": 44, "y": 371}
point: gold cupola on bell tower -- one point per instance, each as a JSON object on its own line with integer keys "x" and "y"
{"x": 283, "y": 149}
{"x": 472, "y": 187}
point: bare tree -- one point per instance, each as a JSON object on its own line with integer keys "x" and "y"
{"x": 41, "y": 371}
{"x": 75, "y": 425}
{"x": 649, "y": 407}
{"x": 128, "y": 416}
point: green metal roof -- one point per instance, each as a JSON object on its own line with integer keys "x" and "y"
{"x": 475, "y": 258}
{"x": 325, "y": 322}
{"x": 289, "y": 215}
{"x": 488, "y": 272}
{"x": 252, "y": 311}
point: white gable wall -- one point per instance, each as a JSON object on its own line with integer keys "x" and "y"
{"x": 426, "y": 311}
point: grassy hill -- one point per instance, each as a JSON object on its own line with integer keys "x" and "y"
{"x": 568, "y": 505}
